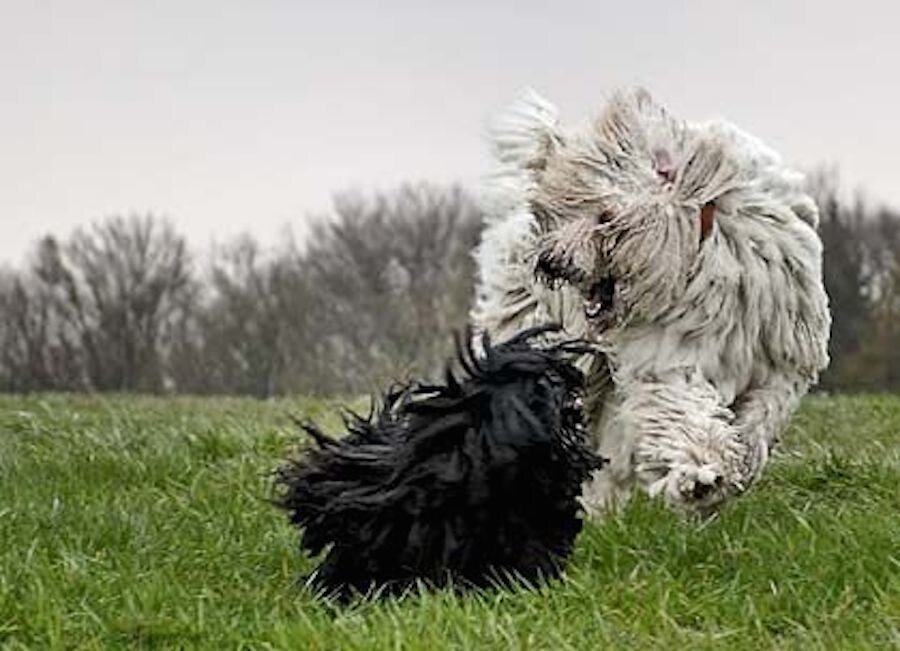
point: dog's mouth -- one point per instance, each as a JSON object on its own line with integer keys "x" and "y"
{"x": 599, "y": 299}
{"x": 555, "y": 272}
{"x": 599, "y": 295}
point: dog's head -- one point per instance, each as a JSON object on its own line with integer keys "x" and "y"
{"x": 622, "y": 209}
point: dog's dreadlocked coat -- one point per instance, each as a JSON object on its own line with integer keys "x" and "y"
{"x": 471, "y": 482}
{"x": 690, "y": 255}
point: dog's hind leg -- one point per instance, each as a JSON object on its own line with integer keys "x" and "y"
{"x": 609, "y": 488}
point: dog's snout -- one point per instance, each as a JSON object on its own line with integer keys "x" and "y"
{"x": 701, "y": 489}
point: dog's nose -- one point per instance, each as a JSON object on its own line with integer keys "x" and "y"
{"x": 701, "y": 489}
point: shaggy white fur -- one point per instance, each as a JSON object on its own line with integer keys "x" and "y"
{"x": 689, "y": 253}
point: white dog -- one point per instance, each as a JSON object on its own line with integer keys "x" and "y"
{"x": 689, "y": 253}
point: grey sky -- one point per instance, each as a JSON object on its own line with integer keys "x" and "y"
{"x": 246, "y": 115}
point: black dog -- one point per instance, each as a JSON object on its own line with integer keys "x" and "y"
{"x": 472, "y": 482}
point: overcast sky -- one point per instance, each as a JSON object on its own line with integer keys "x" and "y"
{"x": 232, "y": 116}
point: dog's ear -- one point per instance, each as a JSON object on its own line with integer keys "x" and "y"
{"x": 526, "y": 134}
{"x": 634, "y": 126}
{"x": 707, "y": 218}
{"x": 707, "y": 173}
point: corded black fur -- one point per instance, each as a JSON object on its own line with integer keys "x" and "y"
{"x": 471, "y": 481}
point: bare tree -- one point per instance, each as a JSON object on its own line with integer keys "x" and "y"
{"x": 114, "y": 288}
{"x": 36, "y": 352}
{"x": 391, "y": 278}
{"x": 861, "y": 268}
{"x": 876, "y": 366}
{"x": 243, "y": 322}
{"x": 372, "y": 297}
{"x": 23, "y": 337}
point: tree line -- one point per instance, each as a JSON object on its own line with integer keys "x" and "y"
{"x": 373, "y": 294}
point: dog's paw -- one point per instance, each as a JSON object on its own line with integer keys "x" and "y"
{"x": 694, "y": 488}
{"x": 690, "y": 486}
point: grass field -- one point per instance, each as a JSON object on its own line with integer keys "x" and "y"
{"x": 141, "y": 522}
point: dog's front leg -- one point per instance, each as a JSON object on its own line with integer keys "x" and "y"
{"x": 681, "y": 440}
{"x": 760, "y": 416}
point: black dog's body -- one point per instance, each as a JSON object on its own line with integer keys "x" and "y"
{"x": 472, "y": 481}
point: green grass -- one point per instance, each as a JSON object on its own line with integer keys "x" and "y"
{"x": 141, "y": 522}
